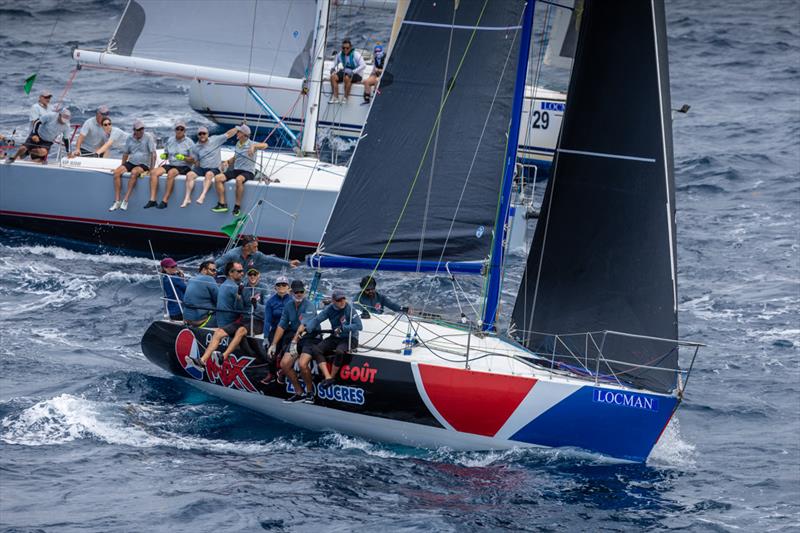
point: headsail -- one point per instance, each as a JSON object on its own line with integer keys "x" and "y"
{"x": 424, "y": 181}
{"x": 271, "y": 37}
{"x": 603, "y": 256}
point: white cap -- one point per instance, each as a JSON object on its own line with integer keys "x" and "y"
{"x": 244, "y": 128}
{"x": 138, "y": 124}
{"x": 66, "y": 113}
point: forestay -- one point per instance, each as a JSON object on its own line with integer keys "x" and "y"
{"x": 603, "y": 256}
{"x": 424, "y": 181}
{"x": 259, "y": 36}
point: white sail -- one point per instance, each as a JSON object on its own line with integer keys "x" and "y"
{"x": 271, "y": 37}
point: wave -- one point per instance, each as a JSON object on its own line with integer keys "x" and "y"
{"x": 57, "y": 252}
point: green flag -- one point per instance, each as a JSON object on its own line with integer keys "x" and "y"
{"x": 29, "y": 83}
{"x": 232, "y": 229}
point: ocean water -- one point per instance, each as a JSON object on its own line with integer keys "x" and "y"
{"x": 95, "y": 438}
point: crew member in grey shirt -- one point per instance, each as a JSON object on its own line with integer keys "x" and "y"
{"x": 46, "y": 130}
{"x": 241, "y": 167}
{"x": 178, "y": 151}
{"x": 138, "y": 157}
{"x": 92, "y": 136}
{"x": 248, "y": 255}
{"x": 41, "y": 107}
{"x": 207, "y": 160}
{"x": 200, "y": 298}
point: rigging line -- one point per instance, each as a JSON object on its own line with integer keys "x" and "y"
{"x": 427, "y": 145}
{"x": 474, "y": 158}
{"x": 250, "y": 59}
{"x": 435, "y": 143}
{"x": 536, "y": 77}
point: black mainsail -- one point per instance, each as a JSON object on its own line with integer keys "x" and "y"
{"x": 424, "y": 182}
{"x": 603, "y": 255}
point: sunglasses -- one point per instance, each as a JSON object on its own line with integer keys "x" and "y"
{"x": 281, "y": 284}
{"x": 180, "y": 128}
{"x": 253, "y": 274}
{"x": 212, "y": 270}
{"x": 47, "y": 97}
{"x": 239, "y": 271}
{"x": 106, "y": 124}
{"x": 202, "y": 133}
{"x": 299, "y": 292}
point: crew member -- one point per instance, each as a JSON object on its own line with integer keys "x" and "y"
{"x": 348, "y": 68}
{"x": 254, "y": 297}
{"x": 92, "y": 136}
{"x": 379, "y": 58}
{"x": 40, "y": 107}
{"x": 200, "y": 298}
{"x": 178, "y": 149}
{"x": 113, "y": 136}
{"x": 241, "y": 167}
{"x": 46, "y": 130}
{"x": 207, "y": 161}
{"x": 295, "y": 314}
{"x": 371, "y": 299}
{"x": 248, "y": 255}
{"x": 229, "y": 312}
{"x": 174, "y": 287}
{"x": 138, "y": 157}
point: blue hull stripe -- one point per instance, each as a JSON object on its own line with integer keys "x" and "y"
{"x": 615, "y": 428}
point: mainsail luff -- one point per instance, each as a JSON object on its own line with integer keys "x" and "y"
{"x": 603, "y": 255}
{"x": 469, "y": 155}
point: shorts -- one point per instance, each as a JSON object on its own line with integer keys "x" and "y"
{"x": 181, "y": 170}
{"x": 336, "y": 346}
{"x": 130, "y": 166}
{"x": 355, "y": 77}
{"x": 200, "y": 171}
{"x": 29, "y": 144}
{"x": 231, "y": 328}
{"x": 231, "y": 174}
{"x": 304, "y": 345}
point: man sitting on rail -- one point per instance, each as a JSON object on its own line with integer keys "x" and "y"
{"x": 200, "y": 299}
{"x": 230, "y": 308}
{"x": 138, "y": 157}
{"x": 241, "y": 167}
{"x": 295, "y": 313}
{"x": 178, "y": 149}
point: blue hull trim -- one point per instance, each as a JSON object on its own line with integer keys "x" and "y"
{"x": 599, "y": 420}
{"x": 393, "y": 265}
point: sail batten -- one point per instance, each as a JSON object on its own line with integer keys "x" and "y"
{"x": 603, "y": 255}
{"x": 409, "y": 198}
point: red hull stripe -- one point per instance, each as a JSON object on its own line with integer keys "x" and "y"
{"x": 474, "y": 402}
{"x": 148, "y": 227}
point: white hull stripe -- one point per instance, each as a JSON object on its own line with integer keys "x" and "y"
{"x": 460, "y": 27}
{"x": 426, "y": 400}
{"x": 543, "y": 396}
{"x": 609, "y": 156}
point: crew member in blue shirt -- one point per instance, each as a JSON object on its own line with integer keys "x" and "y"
{"x": 254, "y": 296}
{"x": 295, "y": 314}
{"x": 273, "y": 308}
{"x": 200, "y": 299}
{"x": 229, "y": 313}
{"x": 248, "y": 255}
{"x": 174, "y": 287}
{"x": 345, "y": 322}
{"x": 371, "y": 299}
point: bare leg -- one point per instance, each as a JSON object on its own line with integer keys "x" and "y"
{"x": 239, "y": 189}
{"x": 170, "y": 184}
{"x": 219, "y": 184}
{"x": 237, "y": 338}
{"x": 219, "y": 334}
{"x": 207, "y": 182}
{"x": 305, "y": 371}
{"x": 287, "y": 365}
{"x": 132, "y": 182}
{"x": 335, "y": 85}
{"x": 118, "y": 172}
{"x": 187, "y": 198}
{"x": 348, "y": 81}
{"x": 154, "y": 174}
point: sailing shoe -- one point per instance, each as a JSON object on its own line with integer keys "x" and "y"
{"x": 220, "y": 208}
{"x": 295, "y": 398}
{"x": 309, "y": 398}
{"x": 161, "y": 205}
{"x": 150, "y": 204}
{"x": 124, "y": 205}
{"x": 236, "y": 211}
{"x": 281, "y": 377}
{"x": 333, "y": 100}
{"x": 327, "y": 382}
{"x": 115, "y": 206}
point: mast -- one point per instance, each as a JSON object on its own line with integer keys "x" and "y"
{"x": 315, "y": 79}
{"x": 498, "y": 244}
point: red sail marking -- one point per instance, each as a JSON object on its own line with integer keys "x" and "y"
{"x": 474, "y": 402}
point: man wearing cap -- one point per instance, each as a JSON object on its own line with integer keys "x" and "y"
{"x": 369, "y": 298}
{"x": 345, "y": 323}
{"x": 241, "y": 167}
{"x": 92, "y": 136}
{"x": 178, "y": 151}
{"x": 273, "y": 308}
{"x": 248, "y": 255}
{"x": 138, "y": 157}
{"x": 254, "y": 296}
{"x": 207, "y": 161}
{"x": 230, "y": 308}
{"x": 46, "y": 130}
{"x": 174, "y": 287}
{"x": 379, "y": 58}
{"x": 200, "y": 299}
{"x": 41, "y": 107}
{"x": 295, "y": 313}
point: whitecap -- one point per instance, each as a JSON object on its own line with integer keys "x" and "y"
{"x": 671, "y": 450}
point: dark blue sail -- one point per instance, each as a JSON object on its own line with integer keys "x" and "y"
{"x": 603, "y": 255}
{"x": 424, "y": 182}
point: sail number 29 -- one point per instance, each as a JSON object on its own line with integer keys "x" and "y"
{"x": 541, "y": 120}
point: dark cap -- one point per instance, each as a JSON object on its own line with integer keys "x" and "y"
{"x": 168, "y": 262}
{"x": 251, "y": 269}
{"x": 297, "y": 285}
{"x": 337, "y": 295}
{"x": 368, "y": 282}
{"x": 247, "y": 239}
